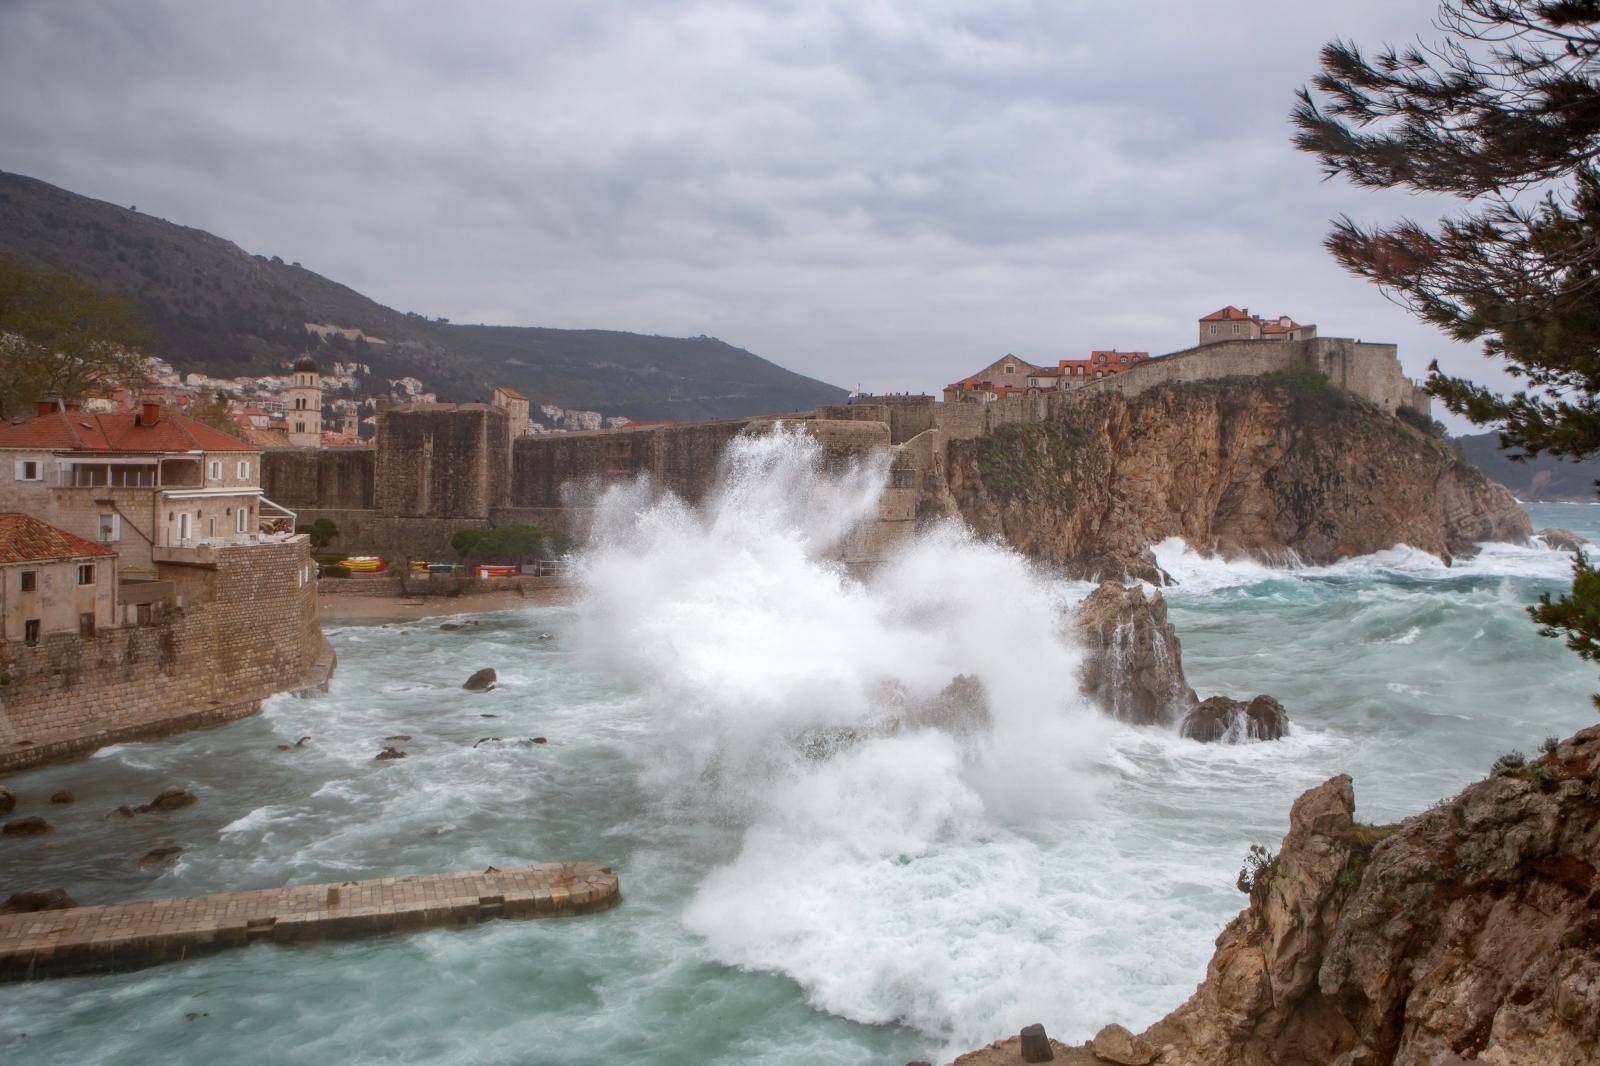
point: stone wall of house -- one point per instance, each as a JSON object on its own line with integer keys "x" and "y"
{"x": 241, "y": 630}
{"x": 299, "y": 478}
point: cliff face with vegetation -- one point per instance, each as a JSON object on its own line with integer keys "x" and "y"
{"x": 1237, "y": 466}
{"x": 220, "y": 310}
{"x": 1467, "y": 933}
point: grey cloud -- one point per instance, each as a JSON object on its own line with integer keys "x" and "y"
{"x": 887, "y": 193}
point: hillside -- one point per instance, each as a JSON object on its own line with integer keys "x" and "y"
{"x": 220, "y": 310}
{"x": 1544, "y": 478}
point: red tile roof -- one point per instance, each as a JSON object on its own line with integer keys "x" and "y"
{"x": 1227, "y": 314}
{"x": 25, "y": 539}
{"x": 80, "y": 431}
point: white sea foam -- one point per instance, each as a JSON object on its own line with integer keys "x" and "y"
{"x": 854, "y": 867}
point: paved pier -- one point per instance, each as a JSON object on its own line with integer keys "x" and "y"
{"x": 128, "y": 935}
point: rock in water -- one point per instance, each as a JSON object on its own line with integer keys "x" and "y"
{"x": 389, "y": 753}
{"x": 1562, "y": 540}
{"x": 25, "y": 827}
{"x": 62, "y": 796}
{"x": 482, "y": 681}
{"x": 39, "y": 899}
{"x": 1116, "y": 1044}
{"x": 1134, "y": 665}
{"x": 8, "y": 800}
{"x": 1221, "y": 718}
{"x": 1035, "y": 1044}
{"x": 168, "y": 799}
{"x": 160, "y": 856}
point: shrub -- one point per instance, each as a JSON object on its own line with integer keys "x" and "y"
{"x": 321, "y": 532}
{"x": 509, "y": 545}
{"x": 1550, "y": 745}
{"x": 1418, "y": 420}
{"x": 1304, "y": 381}
{"x": 1509, "y": 763}
{"x": 1257, "y": 871}
{"x": 335, "y": 570}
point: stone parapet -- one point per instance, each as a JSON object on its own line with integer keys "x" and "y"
{"x": 130, "y": 935}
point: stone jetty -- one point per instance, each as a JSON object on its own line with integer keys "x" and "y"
{"x": 129, "y": 935}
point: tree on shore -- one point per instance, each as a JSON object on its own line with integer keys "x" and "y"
{"x": 61, "y": 338}
{"x": 1503, "y": 113}
{"x": 511, "y": 545}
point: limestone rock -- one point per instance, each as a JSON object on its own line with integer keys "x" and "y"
{"x": 160, "y": 856}
{"x": 61, "y": 796}
{"x": 170, "y": 798}
{"x": 1222, "y": 719}
{"x": 25, "y": 827}
{"x": 1562, "y": 540}
{"x": 1237, "y": 467}
{"x": 1134, "y": 662}
{"x": 8, "y": 800}
{"x": 1116, "y": 1044}
{"x": 482, "y": 681}
{"x": 1034, "y": 1044}
{"x": 39, "y": 899}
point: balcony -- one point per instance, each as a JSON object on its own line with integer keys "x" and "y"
{"x": 204, "y": 551}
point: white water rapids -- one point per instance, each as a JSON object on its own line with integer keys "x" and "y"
{"x": 914, "y": 890}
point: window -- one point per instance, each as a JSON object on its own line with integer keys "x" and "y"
{"x": 29, "y": 470}
{"x": 30, "y": 580}
{"x": 242, "y": 471}
{"x": 240, "y": 520}
{"x": 1236, "y": 329}
{"x": 30, "y": 631}
{"x": 1213, "y": 329}
{"x": 86, "y": 624}
{"x": 183, "y": 525}
{"x": 86, "y": 574}
{"x": 215, "y": 470}
{"x": 110, "y": 528}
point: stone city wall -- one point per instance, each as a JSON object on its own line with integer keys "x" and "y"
{"x": 244, "y": 628}
{"x": 318, "y": 477}
{"x": 442, "y": 460}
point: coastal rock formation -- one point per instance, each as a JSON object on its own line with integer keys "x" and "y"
{"x": 8, "y": 800}
{"x": 482, "y": 680}
{"x": 38, "y": 899}
{"x": 1239, "y": 466}
{"x": 1561, "y": 540}
{"x": 25, "y": 827}
{"x": 1221, "y": 718}
{"x": 170, "y": 798}
{"x": 1134, "y": 665}
{"x": 1467, "y": 933}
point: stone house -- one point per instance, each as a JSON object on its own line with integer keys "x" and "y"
{"x": 1074, "y": 373}
{"x": 1238, "y": 324}
{"x": 52, "y": 582}
{"x": 515, "y": 405}
{"x": 1006, "y": 373}
{"x": 151, "y": 485}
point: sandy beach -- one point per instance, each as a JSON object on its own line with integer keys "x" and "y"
{"x": 338, "y": 607}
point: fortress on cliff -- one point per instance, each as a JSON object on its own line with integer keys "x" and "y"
{"x": 440, "y": 468}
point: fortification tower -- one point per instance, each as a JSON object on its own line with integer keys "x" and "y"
{"x": 305, "y": 404}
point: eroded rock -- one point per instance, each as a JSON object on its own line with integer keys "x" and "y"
{"x": 161, "y": 856}
{"x": 171, "y": 798}
{"x": 389, "y": 753}
{"x": 1562, "y": 540}
{"x": 1116, "y": 1044}
{"x": 38, "y": 899}
{"x": 482, "y": 681}
{"x": 1134, "y": 662}
{"x": 8, "y": 800}
{"x": 61, "y": 796}
{"x": 31, "y": 826}
{"x": 1222, "y": 719}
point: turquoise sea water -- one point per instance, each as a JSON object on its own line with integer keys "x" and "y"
{"x": 913, "y": 895}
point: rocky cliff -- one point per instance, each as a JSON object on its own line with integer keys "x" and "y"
{"x": 1467, "y": 933}
{"x": 1237, "y": 466}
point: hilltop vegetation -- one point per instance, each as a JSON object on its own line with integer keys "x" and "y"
{"x": 1547, "y": 477}
{"x": 217, "y": 309}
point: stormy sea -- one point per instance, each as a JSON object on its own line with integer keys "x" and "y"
{"x": 805, "y": 879}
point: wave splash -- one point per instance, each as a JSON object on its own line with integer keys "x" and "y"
{"x": 885, "y": 870}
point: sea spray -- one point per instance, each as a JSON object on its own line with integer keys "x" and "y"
{"x": 858, "y": 856}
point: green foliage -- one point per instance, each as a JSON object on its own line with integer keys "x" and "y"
{"x": 1501, "y": 115}
{"x": 214, "y": 413}
{"x": 1550, "y": 745}
{"x": 1509, "y": 763}
{"x": 1418, "y": 420}
{"x": 61, "y": 338}
{"x": 1038, "y": 460}
{"x": 335, "y": 570}
{"x": 321, "y": 532}
{"x": 509, "y": 545}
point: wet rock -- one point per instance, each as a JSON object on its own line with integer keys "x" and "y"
{"x": 1134, "y": 663}
{"x": 26, "y": 827}
{"x": 61, "y": 796}
{"x": 540, "y": 740}
{"x": 1222, "y": 719}
{"x": 487, "y": 740}
{"x": 1035, "y": 1045}
{"x": 482, "y": 681}
{"x": 302, "y": 742}
{"x": 1116, "y": 1044}
{"x": 38, "y": 899}
{"x": 170, "y": 798}
{"x": 8, "y": 800}
{"x": 399, "y": 736}
{"x": 194, "y": 1014}
{"x": 160, "y": 856}
{"x": 123, "y": 811}
{"x": 1562, "y": 540}
{"x": 488, "y": 716}
{"x": 389, "y": 753}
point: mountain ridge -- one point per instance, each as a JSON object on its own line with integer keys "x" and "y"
{"x": 221, "y": 310}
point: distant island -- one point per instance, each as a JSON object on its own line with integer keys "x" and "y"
{"x": 1542, "y": 480}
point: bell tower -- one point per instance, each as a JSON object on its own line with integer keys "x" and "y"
{"x": 305, "y": 404}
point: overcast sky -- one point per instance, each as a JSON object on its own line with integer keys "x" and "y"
{"x": 885, "y": 193}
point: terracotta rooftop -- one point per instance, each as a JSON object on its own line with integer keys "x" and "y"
{"x": 80, "y": 431}
{"x": 1227, "y": 314}
{"x": 25, "y": 539}
{"x": 509, "y": 391}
